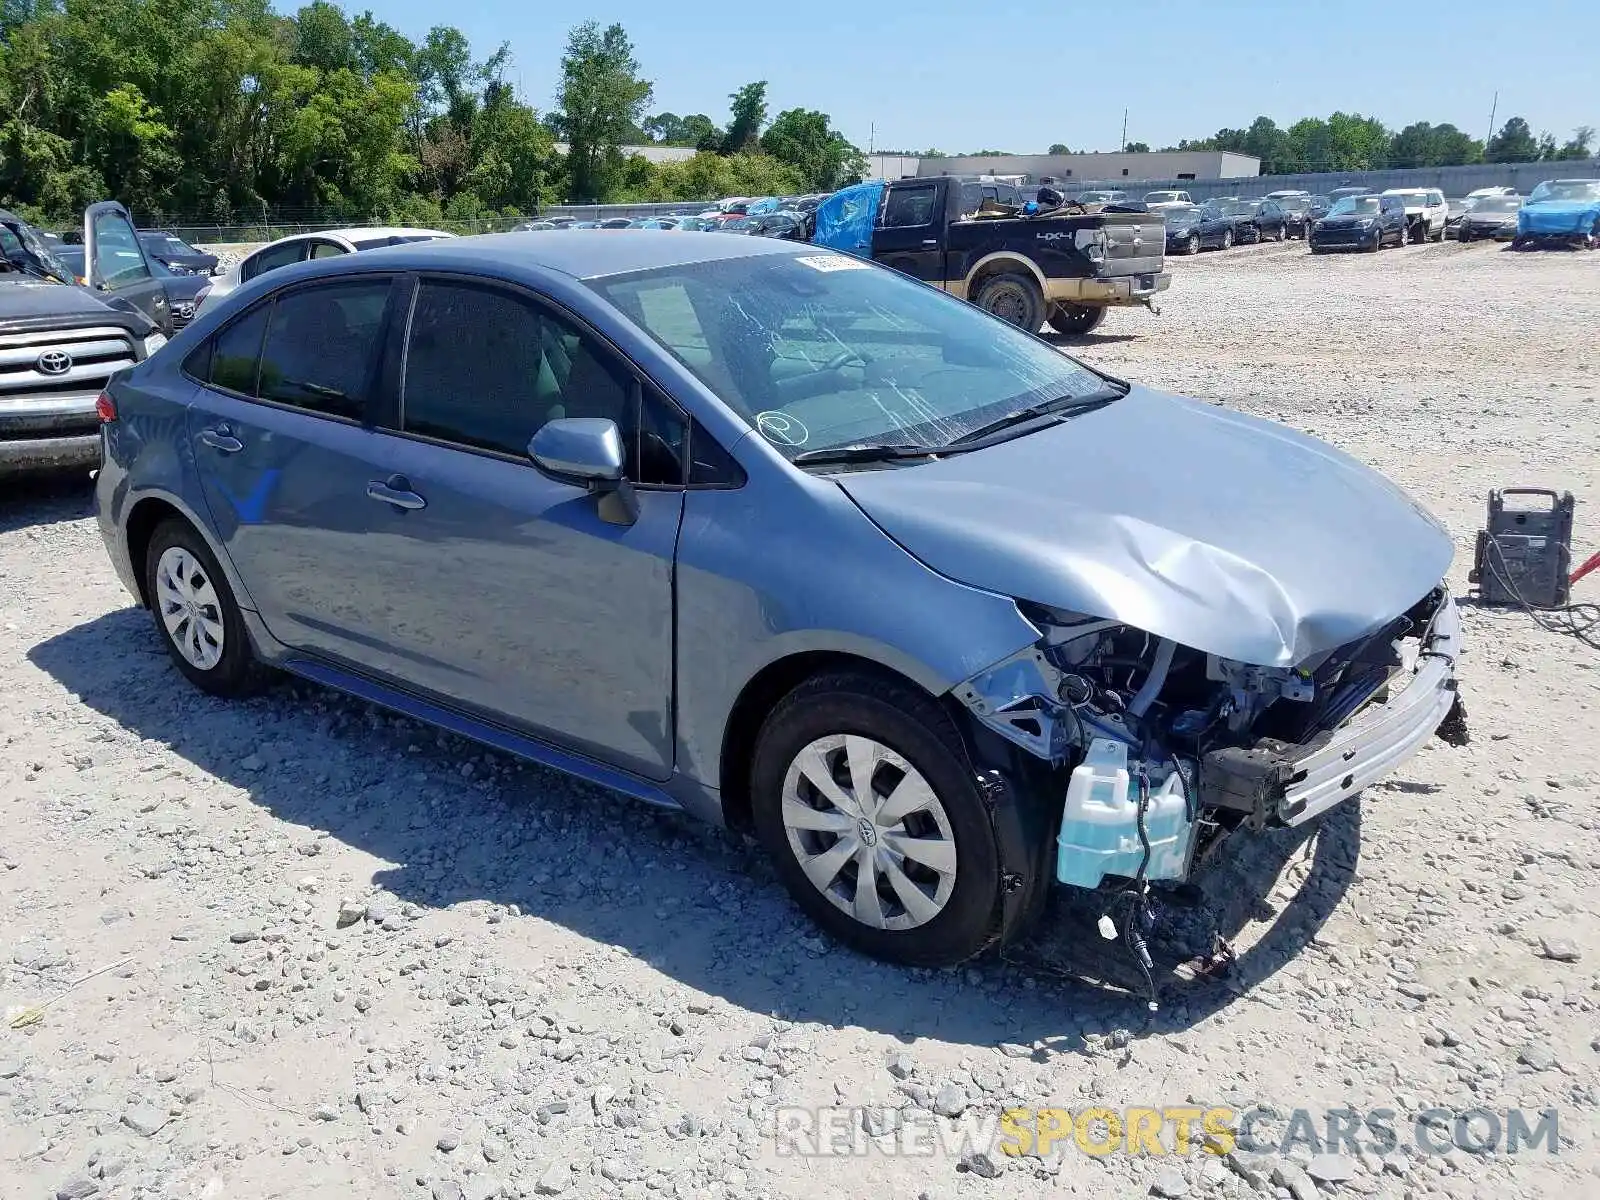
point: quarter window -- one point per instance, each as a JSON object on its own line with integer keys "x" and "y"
{"x": 321, "y": 347}
{"x": 486, "y": 368}
{"x": 236, "y": 355}
{"x": 327, "y": 250}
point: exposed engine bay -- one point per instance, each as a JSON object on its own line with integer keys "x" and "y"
{"x": 1227, "y": 737}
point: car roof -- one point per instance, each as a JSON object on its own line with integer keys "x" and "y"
{"x": 579, "y": 253}
{"x": 365, "y": 231}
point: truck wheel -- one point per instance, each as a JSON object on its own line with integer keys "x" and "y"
{"x": 1012, "y": 297}
{"x": 1075, "y": 320}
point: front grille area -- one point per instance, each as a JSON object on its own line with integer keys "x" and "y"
{"x": 58, "y": 362}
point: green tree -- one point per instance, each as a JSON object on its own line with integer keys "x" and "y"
{"x": 1136, "y": 148}
{"x": 601, "y": 98}
{"x": 1423, "y": 145}
{"x": 1514, "y": 143}
{"x": 1577, "y": 146}
{"x": 804, "y": 140}
{"x": 748, "y": 113}
{"x": 1058, "y": 148}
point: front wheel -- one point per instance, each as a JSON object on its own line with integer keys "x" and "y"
{"x": 1193, "y": 244}
{"x": 1227, "y": 239}
{"x": 1074, "y": 320}
{"x": 1012, "y": 297}
{"x": 861, "y": 792}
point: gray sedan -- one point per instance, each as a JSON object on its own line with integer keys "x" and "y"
{"x": 792, "y": 542}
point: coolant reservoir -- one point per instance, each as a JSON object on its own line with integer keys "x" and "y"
{"x": 1100, "y": 821}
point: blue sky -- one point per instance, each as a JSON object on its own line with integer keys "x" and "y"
{"x": 1008, "y": 75}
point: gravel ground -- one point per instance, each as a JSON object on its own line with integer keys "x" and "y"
{"x": 297, "y": 947}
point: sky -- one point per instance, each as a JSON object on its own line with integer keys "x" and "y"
{"x": 1011, "y": 76}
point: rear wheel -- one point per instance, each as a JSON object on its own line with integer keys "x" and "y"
{"x": 196, "y": 614}
{"x": 1012, "y": 297}
{"x": 862, "y": 794}
{"x": 1074, "y": 320}
{"x": 1227, "y": 239}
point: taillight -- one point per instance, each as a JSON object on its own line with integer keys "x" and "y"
{"x": 105, "y": 408}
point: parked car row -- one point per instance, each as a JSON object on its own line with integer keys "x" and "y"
{"x": 1226, "y": 222}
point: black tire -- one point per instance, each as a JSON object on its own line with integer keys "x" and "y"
{"x": 1463, "y": 234}
{"x": 1013, "y": 297}
{"x": 1075, "y": 320}
{"x": 1377, "y": 242}
{"x": 912, "y": 724}
{"x": 1192, "y": 246}
{"x": 236, "y": 672}
{"x": 1227, "y": 239}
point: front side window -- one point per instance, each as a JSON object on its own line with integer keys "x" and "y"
{"x": 272, "y": 258}
{"x": 118, "y": 260}
{"x": 908, "y": 206}
{"x": 817, "y": 351}
{"x": 322, "y": 346}
{"x": 487, "y": 368}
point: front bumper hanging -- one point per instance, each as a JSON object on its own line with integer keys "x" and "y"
{"x": 1275, "y": 782}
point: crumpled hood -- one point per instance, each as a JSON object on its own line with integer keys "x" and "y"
{"x": 1223, "y": 532}
{"x": 1558, "y": 216}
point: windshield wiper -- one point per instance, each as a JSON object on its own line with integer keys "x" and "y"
{"x": 855, "y": 454}
{"x": 1046, "y": 408}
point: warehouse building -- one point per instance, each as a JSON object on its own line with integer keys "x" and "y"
{"x": 1076, "y": 168}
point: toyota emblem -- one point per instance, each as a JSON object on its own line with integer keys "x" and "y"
{"x": 54, "y": 362}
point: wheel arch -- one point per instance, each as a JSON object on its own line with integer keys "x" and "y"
{"x": 1003, "y": 262}
{"x": 145, "y": 514}
{"x": 760, "y": 695}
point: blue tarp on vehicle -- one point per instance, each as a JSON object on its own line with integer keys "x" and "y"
{"x": 1561, "y": 208}
{"x": 845, "y": 219}
{"x": 766, "y": 204}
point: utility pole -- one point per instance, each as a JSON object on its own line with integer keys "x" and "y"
{"x": 1493, "y": 108}
{"x": 872, "y": 137}
{"x": 1124, "y": 147}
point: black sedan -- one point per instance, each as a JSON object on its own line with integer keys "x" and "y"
{"x": 1490, "y": 217}
{"x": 176, "y": 254}
{"x": 1298, "y": 211}
{"x": 1192, "y": 228}
{"x": 1269, "y": 217}
{"x": 1239, "y": 218}
{"x": 789, "y": 225}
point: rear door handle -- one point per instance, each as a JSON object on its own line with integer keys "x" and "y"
{"x": 221, "y": 438}
{"x": 395, "y": 490}
{"x": 931, "y": 243}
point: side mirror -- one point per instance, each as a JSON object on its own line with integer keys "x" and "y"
{"x": 587, "y": 451}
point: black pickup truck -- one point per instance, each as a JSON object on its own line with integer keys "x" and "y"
{"x": 1063, "y": 267}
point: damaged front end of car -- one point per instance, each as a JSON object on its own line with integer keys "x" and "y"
{"x": 1164, "y": 748}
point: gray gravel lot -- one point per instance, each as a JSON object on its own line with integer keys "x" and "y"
{"x": 297, "y": 947}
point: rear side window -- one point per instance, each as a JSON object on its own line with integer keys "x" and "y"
{"x": 272, "y": 258}
{"x": 327, "y": 250}
{"x": 322, "y": 346}
{"x": 236, "y": 353}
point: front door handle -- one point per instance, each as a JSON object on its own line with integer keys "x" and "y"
{"x": 395, "y": 490}
{"x": 221, "y": 438}
{"x": 930, "y": 243}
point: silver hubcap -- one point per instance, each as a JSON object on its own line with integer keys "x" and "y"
{"x": 189, "y": 608}
{"x": 868, "y": 831}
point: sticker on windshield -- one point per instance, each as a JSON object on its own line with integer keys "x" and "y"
{"x": 831, "y": 262}
{"x": 783, "y": 429}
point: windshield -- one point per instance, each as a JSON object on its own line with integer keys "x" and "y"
{"x": 399, "y": 239}
{"x": 166, "y": 243}
{"x": 817, "y": 351}
{"x": 1228, "y": 208}
{"x": 25, "y": 249}
{"x": 1354, "y": 206}
{"x": 1497, "y": 204}
{"x": 1180, "y": 214}
{"x": 1567, "y": 189}
{"x": 1161, "y": 197}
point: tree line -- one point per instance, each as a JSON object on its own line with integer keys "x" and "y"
{"x": 1351, "y": 142}
{"x": 225, "y": 111}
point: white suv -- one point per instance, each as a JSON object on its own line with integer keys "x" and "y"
{"x": 1426, "y": 212}
{"x": 329, "y": 243}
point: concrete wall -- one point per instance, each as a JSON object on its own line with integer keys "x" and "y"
{"x": 1074, "y": 168}
{"x": 1453, "y": 181}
